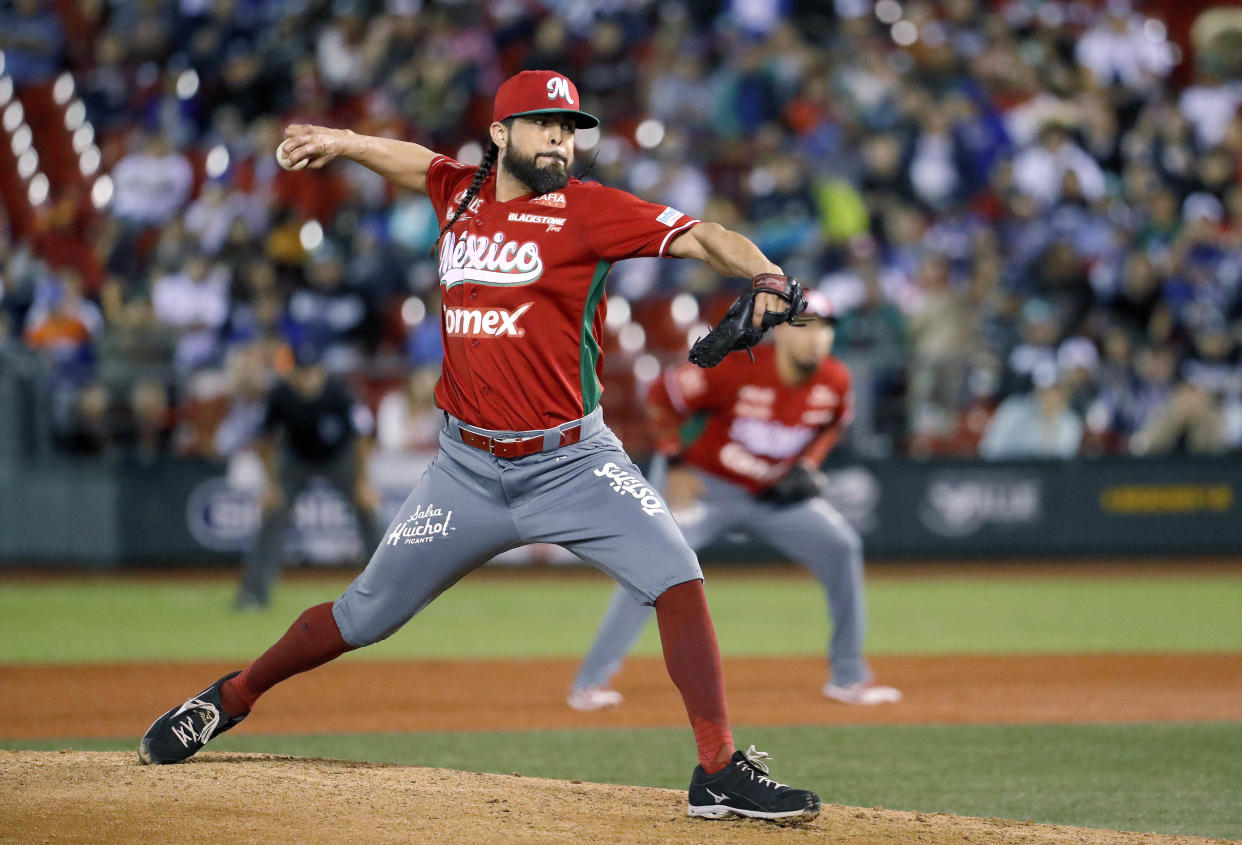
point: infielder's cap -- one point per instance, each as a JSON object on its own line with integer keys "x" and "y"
{"x": 819, "y": 306}
{"x": 540, "y": 92}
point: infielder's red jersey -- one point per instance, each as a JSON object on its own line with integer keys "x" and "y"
{"x": 523, "y": 304}
{"x": 756, "y": 425}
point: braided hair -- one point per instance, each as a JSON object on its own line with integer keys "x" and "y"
{"x": 480, "y": 176}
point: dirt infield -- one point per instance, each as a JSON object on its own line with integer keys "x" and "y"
{"x": 353, "y": 695}
{"x": 108, "y": 797}
{"x": 93, "y": 797}
{"x": 80, "y": 797}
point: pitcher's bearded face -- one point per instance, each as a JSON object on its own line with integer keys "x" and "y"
{"x": 540, "y": 152}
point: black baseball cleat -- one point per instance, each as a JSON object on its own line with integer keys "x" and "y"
{"x": 743, "y": 788}
{"x": 182, "y": 731}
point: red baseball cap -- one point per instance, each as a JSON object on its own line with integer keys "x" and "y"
{"x": 540, "y": 92}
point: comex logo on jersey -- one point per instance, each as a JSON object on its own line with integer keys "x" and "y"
{"x": 484, "y": 322}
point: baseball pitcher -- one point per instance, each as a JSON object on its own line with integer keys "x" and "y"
{"x": 525, "y": 456}
{"x": 763, "y": 429}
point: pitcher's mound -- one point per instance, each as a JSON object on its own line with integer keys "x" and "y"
{"x": 72, "y": 796}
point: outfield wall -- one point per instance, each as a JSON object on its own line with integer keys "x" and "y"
{"x": 88, "y": 513}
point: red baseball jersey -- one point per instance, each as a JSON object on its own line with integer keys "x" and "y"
{"x": 756, "y": 425}
{"x": 522, "y": 285}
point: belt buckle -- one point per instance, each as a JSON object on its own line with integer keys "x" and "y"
{"x": 492, "y": 441}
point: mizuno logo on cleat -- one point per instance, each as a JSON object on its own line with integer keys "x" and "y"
{"x": 720, "y": 799}
{"x": 185, "y": 731}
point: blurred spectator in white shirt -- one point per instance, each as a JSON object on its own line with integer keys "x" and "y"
{"x": 1210, "y": 104}
{"x": 195, "y": 301}
{"x": 1035, "y": 425}
{"x": 1126, "y": 50}
{"x": 211, "y": 215}
{"x": 1040, "y": 170}
{"x": 152, "y": 183}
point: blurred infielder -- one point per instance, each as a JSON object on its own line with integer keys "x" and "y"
{"x": 525, "y": 456}
{"x": 765, "y": 429}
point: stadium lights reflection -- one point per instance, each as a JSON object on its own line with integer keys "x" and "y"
{"x": 187, "y": 84}
{"x": 311, "y": 235}
{"x": 904, "y": 33}
{"x": 217, "y": 161}
{"x": 888, "y": 12}
{"x": 618, "y": 312}
{"x": 23, "y": 139}
{"x": 586, "y": 139}
{"x": 89, "y": 162}
{"x": 647, "y": 367}
{"x": 685, "y": 309}
{"x": 649, "y": 133}
{"x": 38, "y": 189}
{"x": 75, "y": 115}
{"x": 63, "y": 89}
{"x": 27, "y": 164}
{"x": 632, "y": 338}
{"x": 413, "y": 311}
{"x": 14, "y": 116}
{"x": 101, "y": 191}
{"x": 83, "y": 138}
{"x": 6, "y": 90}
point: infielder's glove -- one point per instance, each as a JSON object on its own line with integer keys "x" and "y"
{"x": 797, "y": 485}
{"x": 735, "y": 331}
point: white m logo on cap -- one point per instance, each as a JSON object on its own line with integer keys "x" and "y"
{"x": 558, "y": 87}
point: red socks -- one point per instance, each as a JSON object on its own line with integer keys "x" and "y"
{"x": 693, "y": 661}
{"x": 312, "y": 640}
{"x": 690, "y": 654}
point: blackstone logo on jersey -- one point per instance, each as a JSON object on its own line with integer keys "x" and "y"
{"x": 554, "y": 224}
{"x": 484, "y": 322}
{"x": 622, "y": 481}
{"x": 484, "y": 260}
{"x": 959, "y": 507}
{"x": 423, "y": 526}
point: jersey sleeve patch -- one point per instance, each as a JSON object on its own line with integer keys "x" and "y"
{"x": 669, "y": 216}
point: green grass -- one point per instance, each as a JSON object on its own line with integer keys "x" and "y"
{"x": 101, "y": 619}
{"x": 1166, "y": 778}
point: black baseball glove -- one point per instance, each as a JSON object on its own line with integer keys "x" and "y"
{"x": 735, "y": 331}
{"x": 797, "y": 485}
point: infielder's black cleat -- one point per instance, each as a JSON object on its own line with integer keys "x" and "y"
{"x": 182, "y": 731}
{"x": 743, "y": 788}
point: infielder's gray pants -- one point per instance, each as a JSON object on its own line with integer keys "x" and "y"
{"x": 811, "y": 533}
{"x": 470, "y": 506}
{"x": 262, "y": 562}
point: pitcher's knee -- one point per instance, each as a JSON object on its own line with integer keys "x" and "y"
{"x": 359, "y": 627}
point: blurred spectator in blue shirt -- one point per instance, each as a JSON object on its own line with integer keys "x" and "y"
{"x": 32, "y": 40}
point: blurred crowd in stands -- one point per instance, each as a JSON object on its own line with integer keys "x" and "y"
{"x": 1028, "y": 213}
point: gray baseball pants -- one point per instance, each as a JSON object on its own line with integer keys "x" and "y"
{"x": 811, "y": 533}
{"x": 470, "y": 506}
